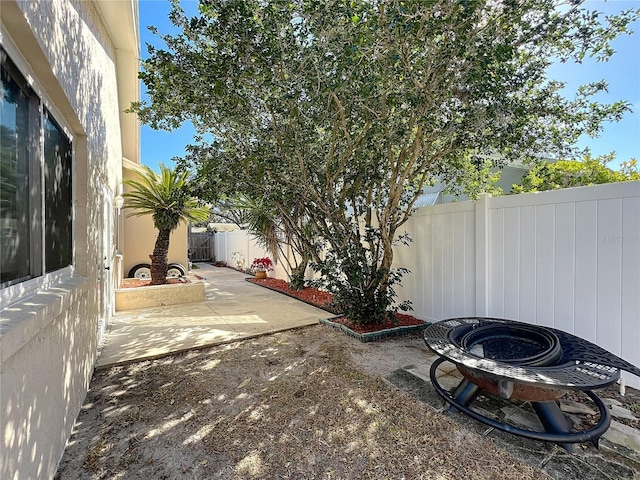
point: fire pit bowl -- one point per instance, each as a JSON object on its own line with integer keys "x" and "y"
{"x": 513, "y": 344}
{"x": 519, "y": 361}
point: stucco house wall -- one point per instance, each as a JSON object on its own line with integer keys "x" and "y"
{"x": 76, "y": 55}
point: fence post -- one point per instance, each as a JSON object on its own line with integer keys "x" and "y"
{"x": 482, "y": 254}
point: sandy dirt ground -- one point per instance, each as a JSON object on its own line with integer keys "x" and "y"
{"x": 308, "y": 403}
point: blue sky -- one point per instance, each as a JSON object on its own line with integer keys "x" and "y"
{"x": 622, "y": 73}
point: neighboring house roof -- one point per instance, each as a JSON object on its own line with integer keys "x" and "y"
{"x": 435, "y": 194}
{"x": 427, "y": 199}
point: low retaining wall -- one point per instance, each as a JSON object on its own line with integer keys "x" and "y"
{"x": 160, "y": 295}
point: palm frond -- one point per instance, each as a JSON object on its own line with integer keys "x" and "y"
{"x": 164, "y": 197}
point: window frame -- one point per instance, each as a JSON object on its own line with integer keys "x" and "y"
{"x": 38, "y": 280}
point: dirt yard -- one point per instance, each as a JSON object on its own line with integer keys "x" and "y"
{"x": 302, "y": 404}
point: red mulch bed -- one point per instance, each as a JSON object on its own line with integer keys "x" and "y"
{"x": 310, "y": 295}
{"x": 323, "y": 300}
{"x": 400, "y": 320}
{"x": 136, "y": 282}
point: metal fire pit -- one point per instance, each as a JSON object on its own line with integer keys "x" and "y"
{"x": 518, "y": 361}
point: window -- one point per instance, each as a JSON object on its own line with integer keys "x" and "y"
{"x": 35, "y": 183}
{"x": 57, "y": 203}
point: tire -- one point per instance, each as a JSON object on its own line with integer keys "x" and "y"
{"x": 141, "y": 271}
{"x": 175, "y": 270}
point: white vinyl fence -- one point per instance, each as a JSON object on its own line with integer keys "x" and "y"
{"x": 245, "y": 247}
{"x": 568, "y": 259}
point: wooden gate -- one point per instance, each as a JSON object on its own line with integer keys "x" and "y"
{"x": 201, "y": 247}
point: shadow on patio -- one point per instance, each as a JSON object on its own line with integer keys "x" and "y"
{"x": 233, "y": 309}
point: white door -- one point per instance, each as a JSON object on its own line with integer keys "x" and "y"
{"x": 105, "y": 266}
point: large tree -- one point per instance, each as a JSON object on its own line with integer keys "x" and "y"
{"x": 351, "y": 108}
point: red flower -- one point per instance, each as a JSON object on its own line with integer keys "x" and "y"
{"x": 262, "y": 264}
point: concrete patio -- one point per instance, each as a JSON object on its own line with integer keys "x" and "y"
{"x": 233, "y": 309}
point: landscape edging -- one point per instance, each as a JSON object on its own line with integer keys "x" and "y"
{"x": 373, "y": 336}
{"x": 363, "y": 337}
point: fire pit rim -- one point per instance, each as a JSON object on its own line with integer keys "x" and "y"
{"x": 569, "y": 374}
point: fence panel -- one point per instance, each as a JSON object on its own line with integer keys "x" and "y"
{"x": 568, "y": 259}
{"x": 441, "y": 260}
{"x": 202, "y": 246}
{"x": 246, "y": 248}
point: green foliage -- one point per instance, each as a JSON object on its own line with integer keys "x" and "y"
{"x": 277, "y": 226}
{"x": 166, "y": 198}
{"x": 575, "y": 173}
{"x": 226, "y": 209}
{"x": 630, "y": 169}
{"x": 477, "y": 176}
{"x": 361, "y": 291}
{"x": 297, "y": 278}
{"x": 337, "y": 114}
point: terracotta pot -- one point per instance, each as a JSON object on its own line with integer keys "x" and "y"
{"x": 260, "y": 274}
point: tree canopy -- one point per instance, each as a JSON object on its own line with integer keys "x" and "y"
{"x": 348, "y": 109}
{"x": 575, "y": 173}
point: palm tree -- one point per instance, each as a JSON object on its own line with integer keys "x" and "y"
{"x": 275, "y": 230}
{"x": 166, "y": 199}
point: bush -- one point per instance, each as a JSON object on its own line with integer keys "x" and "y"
{"x": 361, "y": 290}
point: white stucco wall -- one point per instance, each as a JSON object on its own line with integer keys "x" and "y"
{"x": 48, "y": 342}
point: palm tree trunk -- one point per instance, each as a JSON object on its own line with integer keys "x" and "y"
{"x": 159, "y": 258}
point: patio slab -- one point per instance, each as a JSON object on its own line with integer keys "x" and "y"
{"x": 233, "y": 309}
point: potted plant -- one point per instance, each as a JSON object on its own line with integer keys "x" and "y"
{"x": 261, "y": 266}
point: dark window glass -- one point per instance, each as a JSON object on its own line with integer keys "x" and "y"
{"x": 57, "y": 196}
{"x": 15, "y": 232}
{"x": 32, "y": 142}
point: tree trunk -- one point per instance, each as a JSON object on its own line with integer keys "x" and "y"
{"x": 297, "y": 275}
{"x": 159, "y": 258}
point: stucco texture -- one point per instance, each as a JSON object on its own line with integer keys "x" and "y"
{"x": 160, "y": 295}
{"x": 49, "y": 342}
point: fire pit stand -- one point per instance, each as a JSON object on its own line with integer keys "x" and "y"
{"x": 519, "y": 361}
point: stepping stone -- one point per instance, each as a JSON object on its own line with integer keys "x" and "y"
{"x": 623, "y": 441}
{"x": 624, "y": 435}
{"x": 516, "y": 416}
{"x": 569, "y": 406}
{"x": 621, "y": 412}
{"x": 447, "y": 374}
